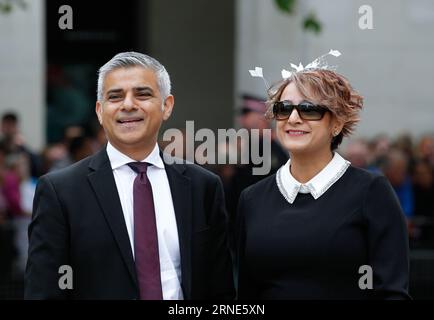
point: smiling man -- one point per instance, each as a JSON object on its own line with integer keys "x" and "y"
{"x": 125, "y": 222}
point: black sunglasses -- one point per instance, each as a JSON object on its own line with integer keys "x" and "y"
{"x": 307, "y": 111}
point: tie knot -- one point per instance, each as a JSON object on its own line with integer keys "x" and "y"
{"x": 138, "y": 167}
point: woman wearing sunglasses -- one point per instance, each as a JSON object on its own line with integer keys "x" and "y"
{"x": 320, "y": 228}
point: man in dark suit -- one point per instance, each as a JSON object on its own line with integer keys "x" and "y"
{"x": 128, "y": 223}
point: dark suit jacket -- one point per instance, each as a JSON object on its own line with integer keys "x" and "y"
{"x": 78, "y": 221}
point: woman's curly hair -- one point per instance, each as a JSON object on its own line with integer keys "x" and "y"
{"x": 326, "y": 88}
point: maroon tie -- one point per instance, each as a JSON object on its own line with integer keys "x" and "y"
{"x": 145, "y": 236}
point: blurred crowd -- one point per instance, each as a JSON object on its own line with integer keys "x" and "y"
{"x": 20, "y": 168}
{"x": 407, "y": 162}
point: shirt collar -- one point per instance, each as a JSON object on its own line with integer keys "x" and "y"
{"x": 317, "y": 186}
{"x": 118, "y": 159}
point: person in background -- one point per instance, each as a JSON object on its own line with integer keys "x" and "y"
{"x": 423, "y": 187}
{"x": 425, "y": 149}
{"x": 357, "y": 152}
{"x": 14, "y": 142}
{"x": 79, "y": 147}
{"x": 8, "y": 250}
{"x": 252, "y": 117}
{"x": 99, "y": 139}
{"x": 423, "y": 184}
{"x": 395, "y": 167}
{"x": 379, "y": 147}
{"x": 240, "y": 176}
{"x": 19, "y": 163}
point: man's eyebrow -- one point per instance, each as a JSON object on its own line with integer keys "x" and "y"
{"x": 113, "y": 91}
{"x": 144, "y": 88}
{"x": 137, "y": 89}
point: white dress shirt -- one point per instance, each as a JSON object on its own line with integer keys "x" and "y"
{"x": 289, "y": 187}
{"x": 167, "y": 231}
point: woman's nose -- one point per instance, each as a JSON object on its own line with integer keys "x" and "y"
{"x": 294, "y": 117}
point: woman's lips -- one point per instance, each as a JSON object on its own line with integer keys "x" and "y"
{"x": 296, "y": 132}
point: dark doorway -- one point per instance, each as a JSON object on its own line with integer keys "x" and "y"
{"x": 100, "y": 30}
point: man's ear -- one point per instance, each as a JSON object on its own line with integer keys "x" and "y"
{"x": 98, "y": 110}
{"x": 168, "y": 107}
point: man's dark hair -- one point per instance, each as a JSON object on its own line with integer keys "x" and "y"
{"x": 10, "y": 116}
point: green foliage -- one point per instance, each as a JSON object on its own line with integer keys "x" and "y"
{"x": 310, "y": 22}
{"x": 286, "y": 5}
{"x": 6, "y": 6}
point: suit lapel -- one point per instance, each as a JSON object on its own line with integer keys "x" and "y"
{"x": 102, "y": 181}
{"x": 180, "y": 188}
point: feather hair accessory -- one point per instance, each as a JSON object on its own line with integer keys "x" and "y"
{"x": 319, "y": 63}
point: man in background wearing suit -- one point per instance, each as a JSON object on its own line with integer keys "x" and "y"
{"x": 129, "y": 224}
